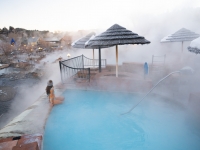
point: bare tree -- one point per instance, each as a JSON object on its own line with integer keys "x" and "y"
{"x": 66, "y": 41}
{"x": 13, "y": 35}
{"x": 6, "y": 48}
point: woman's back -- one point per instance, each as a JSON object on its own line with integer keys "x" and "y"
{"x": 52, "y": 95}
{"x": 48, "y": 88}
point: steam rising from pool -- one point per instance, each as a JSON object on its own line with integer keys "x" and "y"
{"x": 91, "y": 120}
{"x": 185, "y": 70}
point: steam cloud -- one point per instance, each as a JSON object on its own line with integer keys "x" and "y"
{"x": 153, "y": 28}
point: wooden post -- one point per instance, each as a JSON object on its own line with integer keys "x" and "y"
{"x": 61, "y": 71}
{"x": 83, "y": 60}
{"x": 116, "y": 60}
{"x": 99, "y": 59}
{"x": 164, "y": 58}
{"x": 182, "y": 46}
{"x": 93, "y": 58}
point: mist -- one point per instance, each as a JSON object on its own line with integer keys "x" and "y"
{"x": 178, "y": 87}
{"x": 153, "y": 28}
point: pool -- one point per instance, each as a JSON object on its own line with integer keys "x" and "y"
{"x": 90, "y": 120}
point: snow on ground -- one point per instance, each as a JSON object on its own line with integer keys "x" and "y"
{"x": 195, "y": 43}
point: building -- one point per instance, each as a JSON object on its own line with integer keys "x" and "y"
{"x": 33, "y": 41}
{"x": 53, "y": 42}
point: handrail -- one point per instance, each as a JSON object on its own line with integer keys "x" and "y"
{"x": 76, "y": 67}
{"x": 93, "y": 62}
{"x": 70, "y": 58}
{"x": 93, "y": 59}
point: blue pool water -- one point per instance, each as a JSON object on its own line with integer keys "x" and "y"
{"x": 89, "y": 120}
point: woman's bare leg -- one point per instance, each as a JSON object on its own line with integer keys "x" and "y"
{"x": 60, "y": 98}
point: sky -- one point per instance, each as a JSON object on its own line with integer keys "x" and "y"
{"x": 73, "y": 15}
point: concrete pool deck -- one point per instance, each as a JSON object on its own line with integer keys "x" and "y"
{"x": 29, "y": 125}
{"x": 31, "y": 122}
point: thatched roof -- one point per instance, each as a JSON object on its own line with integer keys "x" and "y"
{"x": 180, "y": 36}
{"x": 116, "y": 35}
{"x": 80, "y": 43}
{"x": 195, "y": 46}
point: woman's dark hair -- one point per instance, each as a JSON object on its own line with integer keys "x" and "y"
{"x": 48, "y": 88}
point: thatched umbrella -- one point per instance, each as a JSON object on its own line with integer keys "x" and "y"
{"x": 180, "y": 36}
{"x": 114, "y": 36}
{"x": 81, "y": 42}
{"x": 195, "y": 46}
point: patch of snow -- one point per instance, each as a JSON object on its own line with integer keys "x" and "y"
{"x": 75, "y": 42}
{"x": 2, "y": 92}
{"x": 195, "y": 43}
{"x": 72, "y": 44}
{"x": 165, "y": 39}
{"x": 93, "y": 36}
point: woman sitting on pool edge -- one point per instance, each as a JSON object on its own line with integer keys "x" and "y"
{"x": 54, "y": 100}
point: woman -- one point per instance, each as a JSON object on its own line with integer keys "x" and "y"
{"x": 54, "y": 100}
{"x": 48, "y": 88}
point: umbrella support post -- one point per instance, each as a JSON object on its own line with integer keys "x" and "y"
{"x": 99, "y": 59}
{"x": 182, "y": 46}
{"x": 116, "y": 60}
{"x": 61, "y": 71}
{"x": 93, "y": 58}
